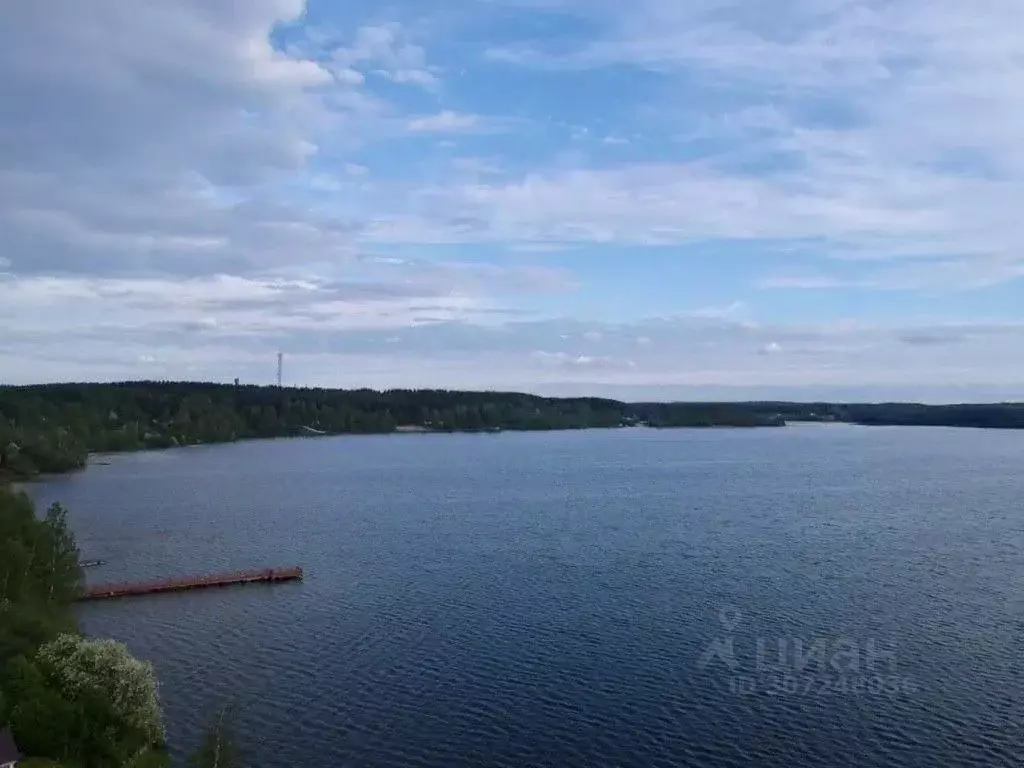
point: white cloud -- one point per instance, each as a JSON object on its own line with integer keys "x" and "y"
{"x": 666, "y": 204}
{"x": 476, "y": 167}
{"x": 378, "y": 295}
{"x": 563, "y": 360}
{"x": 349, "y": 76}
{"x": 945, "y": 275}
{"x": 363, "y": 334}
{"x": 156, "y": 153}
{"x": 191, "y": 196}
{"x": 420, "y": 77}
{"x": 882, "y": 129}
{"x": 445, "y": 122}
{"x": 539, "y": 247}
{"x": 731, "y": 310}
{"x": 385, "y": 49}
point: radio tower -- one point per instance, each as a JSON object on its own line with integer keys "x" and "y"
{"x": 280, "y": 367}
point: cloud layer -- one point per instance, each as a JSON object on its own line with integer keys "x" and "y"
{"x": 187, "y": 187}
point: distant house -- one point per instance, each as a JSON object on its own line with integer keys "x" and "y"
{"x": 9, "y": 755}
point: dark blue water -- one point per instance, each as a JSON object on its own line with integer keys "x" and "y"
{"x": 576, "y": 599}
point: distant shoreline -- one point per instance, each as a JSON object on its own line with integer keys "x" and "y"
{"x": 56, "y": 428}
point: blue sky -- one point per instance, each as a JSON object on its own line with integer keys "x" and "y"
{"x": 808, "y": 198}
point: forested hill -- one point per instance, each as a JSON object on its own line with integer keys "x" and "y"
{"x": 53, "y": 427}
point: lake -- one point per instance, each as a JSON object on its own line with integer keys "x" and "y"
{"x": 808, "y": 596}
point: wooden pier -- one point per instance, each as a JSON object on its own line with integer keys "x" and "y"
{"x": 132, "y": 589}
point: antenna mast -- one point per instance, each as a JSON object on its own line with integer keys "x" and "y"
{"x": 280, "y": 367}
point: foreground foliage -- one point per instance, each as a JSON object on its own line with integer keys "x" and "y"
{"x": 69, "y": 699}
{"x": 39, "y": 575}
{"x": 86, "y": 702}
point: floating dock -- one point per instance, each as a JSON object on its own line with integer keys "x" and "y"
{"x": 133, "y": 589}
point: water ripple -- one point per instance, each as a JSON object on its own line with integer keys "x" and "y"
{"x": 547, "y": 599}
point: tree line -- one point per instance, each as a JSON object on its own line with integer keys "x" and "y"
{"x": 53, "y": 427}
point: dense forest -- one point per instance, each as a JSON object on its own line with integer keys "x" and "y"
{"x": 53, "y": 427}
{"x": 69, "y": 700}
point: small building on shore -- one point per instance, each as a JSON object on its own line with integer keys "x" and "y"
{"x": 9, "y": 754}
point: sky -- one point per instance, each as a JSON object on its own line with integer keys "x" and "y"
{"x": 644, "y": 199}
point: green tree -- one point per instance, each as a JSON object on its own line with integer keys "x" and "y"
{"x": 44, "y": 722}
{"x": 58, "y": 567}
{"x": 111, "y": 688}
{"x": 87, "y": 702}
{"x": 39, "y": 575}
